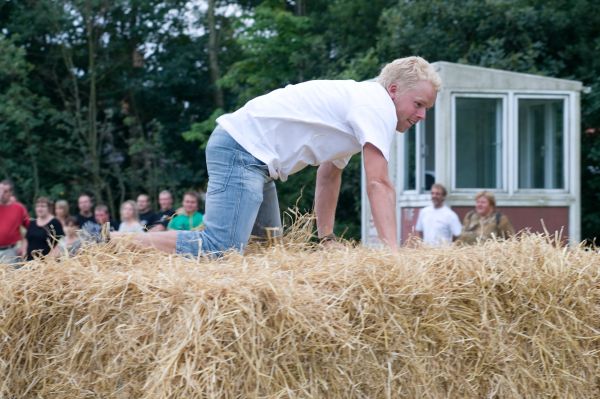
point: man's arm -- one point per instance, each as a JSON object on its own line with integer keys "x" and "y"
{"x": 22, "y": 244}
{"x": 327, "y": 191}
{"x": 21, "y": 248}
{"x": 382, "y": 195}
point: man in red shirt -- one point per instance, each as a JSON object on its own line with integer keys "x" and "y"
{"x": 13, "y": 215}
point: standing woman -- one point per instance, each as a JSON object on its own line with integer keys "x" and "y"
{"x": 44, "y": 232}
{"x": 485, "y": 222}
{"x": 61, "y": 211}
{"x": 130, "y": 220}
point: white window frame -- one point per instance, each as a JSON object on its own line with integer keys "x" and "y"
{"x": 505, "y": 142}
{"x": 566, "y": 143}
{"x": 400, "y": 165}
{"x": 419, "y": 161}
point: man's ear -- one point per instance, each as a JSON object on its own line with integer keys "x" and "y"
{"x": 393, "y": 90}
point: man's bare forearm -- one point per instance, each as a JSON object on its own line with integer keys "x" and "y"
{"x": 327, "y": 192}
{"x": 382, "y": 197}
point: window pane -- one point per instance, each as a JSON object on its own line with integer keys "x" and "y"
{"x": 429, "y": 150}
{"x": 410, "y": 159}
{"x": 541, "y": 133}
{"x": 478, "y": 142}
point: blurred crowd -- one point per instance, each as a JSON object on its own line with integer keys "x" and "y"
{"x": 438, "y": 225}
{"x": 55, "y": 230}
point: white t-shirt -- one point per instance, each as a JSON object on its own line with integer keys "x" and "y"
{"x": 438, "y": 225}
{"x": 135, "y": 227}
{"x": 314, "y": 122}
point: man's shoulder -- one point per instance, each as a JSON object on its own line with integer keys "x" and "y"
{"x": 428, "y": 208}
{"x": 178, "y": 216}
{"x": 443, "y": 211}
{"x": 448, "y": 209}
{"x": 14, "y": 207}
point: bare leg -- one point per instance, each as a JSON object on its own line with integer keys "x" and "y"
{"x": 162, "y": 240}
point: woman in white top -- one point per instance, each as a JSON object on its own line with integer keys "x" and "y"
{"x": 130, "y": 221}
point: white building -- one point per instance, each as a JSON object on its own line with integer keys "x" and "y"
{"x": 516, "y": 135}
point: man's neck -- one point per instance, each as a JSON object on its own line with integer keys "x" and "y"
{"x": 86, "y": 214}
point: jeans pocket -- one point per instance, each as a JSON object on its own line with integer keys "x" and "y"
{"x": 219, "y": 163}
{"x": 254, "y": 165}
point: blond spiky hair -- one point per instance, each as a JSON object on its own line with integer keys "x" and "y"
{"x": 406, "y": 72}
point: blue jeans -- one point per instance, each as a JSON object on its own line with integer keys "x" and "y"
{"x": 241, "y": 199}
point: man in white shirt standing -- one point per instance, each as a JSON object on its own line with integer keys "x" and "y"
{"x": 320, "y": 123}
{"x": 437, "y": 224}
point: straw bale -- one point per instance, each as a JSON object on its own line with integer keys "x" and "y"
{"x": 514, "y": 319}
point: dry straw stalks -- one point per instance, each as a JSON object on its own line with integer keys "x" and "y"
{"x": 519, "y": 319}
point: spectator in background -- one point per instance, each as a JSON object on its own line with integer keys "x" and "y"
{"x": 485, "y": 222}
{"x": 61, "y": 211}
{"x": 147, "y": 217}
{"x": 71, "y": 242}
{"x": 437, "y": 224}
{"x": 13, "y": 216}
{"x": 44, "y": 232}
{"x": 165, "y": 200}
{"x": 86, "y": 210}
{"x": 130, "y": 222}
{"x": 189, "y": 218}
{"x": 101, "y": 216}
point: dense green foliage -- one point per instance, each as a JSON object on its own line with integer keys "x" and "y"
{"x": 119, "y": 96}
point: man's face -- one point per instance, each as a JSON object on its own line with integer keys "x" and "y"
{"x": 85, "y": 204}
{"x": 143, "y": 203}
{"x": 101, "y": 216}
{"x": 411, "y": 105}
{"x": 166, "y": 201}
{"x": 5, "y": 193}
{"x": 437, "y": 197}
{"x": 190, "y": 204}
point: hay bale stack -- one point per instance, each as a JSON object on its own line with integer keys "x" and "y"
{"x": 519, "y": 319}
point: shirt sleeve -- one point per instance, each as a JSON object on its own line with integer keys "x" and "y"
{"x": 26, "y": 219}
{"x": 58, "y": 229}
{"x": 455, "y": 225}
{"x": 505, "y": 228}
{"x": 373, "y": 125}
{"x": 341, "y": 163}
{"x": 419, "y": 225}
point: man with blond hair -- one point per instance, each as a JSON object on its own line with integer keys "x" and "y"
{"x": 321, "y": 123}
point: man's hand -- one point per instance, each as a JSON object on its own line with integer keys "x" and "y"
{"x": 21, "y": 249}
{"x": 382, "y": 195}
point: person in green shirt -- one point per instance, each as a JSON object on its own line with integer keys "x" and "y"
{"x": 187, "y": 217}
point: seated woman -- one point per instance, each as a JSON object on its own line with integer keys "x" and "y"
{"x": 71, "y": 242}
{"x": 130, "y": 221}
{"x": 44, "y": 232}
{"x": 485, "y": 222}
